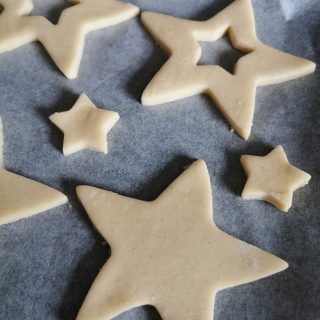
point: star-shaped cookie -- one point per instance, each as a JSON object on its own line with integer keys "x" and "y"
{"x": 84, "y": 126}
{"x": 234, "y": 94}
{"x": 21, "y": 197}
{"x": 272, "y": 178}
{"x": 64, "y": 41}
{"x": 168, "y": 252}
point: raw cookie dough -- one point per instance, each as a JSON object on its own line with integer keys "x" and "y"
{"x": 84, "y": 126}
{"x": 272, "y": 178}
{"x": 64, "y": 41}
{"x": 234, "y": 94}
{"x": 168, "y": 252}
{"x": 21, "y": 197}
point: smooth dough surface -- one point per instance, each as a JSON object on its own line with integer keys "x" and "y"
{"x": 84, "y": 126}
{"x": 21, "y": 197}
{"x": 168, "y": 252}
{"x": 234, "y": 94}
{"x": 64, "y": 41}
{"x": 272, "y": 178}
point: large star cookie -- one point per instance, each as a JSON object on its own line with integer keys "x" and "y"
{"x": 84, "y": 126}
{"x": 234, "y": 94}
{"x": 168, "y": 252}
{"x": 21, "y": 197}
{"x": 64, "y": 41}
{"x": 272, "y": 178}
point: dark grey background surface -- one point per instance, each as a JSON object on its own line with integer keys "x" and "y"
{"x": 48, "y": 262}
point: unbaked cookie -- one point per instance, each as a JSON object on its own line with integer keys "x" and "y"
{"x": 64, "y": 41}
{"x": 85, "y": 126}
{"x": 234, "y": 94}
{"x": 272, "y": 178}
{"x": 168, "y": 252}
{"x": 21, "y": 197}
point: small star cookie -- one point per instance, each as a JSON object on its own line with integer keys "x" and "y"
{"x": 234, "y": 94}
{"x": 21, "y": 197}
{"x": 168, "y": 252}
{"x": 84, "y": 126}
{"x": 272, "y": 178}
{"x": 64, "y": 41}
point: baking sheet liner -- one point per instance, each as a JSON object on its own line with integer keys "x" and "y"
{"x": 48, "y": 262}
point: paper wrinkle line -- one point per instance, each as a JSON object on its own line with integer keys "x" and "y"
{"x": 291, "y": 9}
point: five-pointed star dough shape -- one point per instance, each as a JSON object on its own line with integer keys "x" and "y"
{"x": 168, "y": 252}
{"x": 234, "y": 94}
{"x": 84, "y": 126}
{"x": 21, "y": 197}
{"x": 272, "y": 178}
{"x": 64, "y": 41}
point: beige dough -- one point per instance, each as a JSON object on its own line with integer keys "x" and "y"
{"x": 272, "y": 178}
{"x": 234, "y": 94}
{"x": 21, "y": 197}
{"x": 84, "y": 126}
{"x": 64, "y": 41}
{"x": 168, "y": 252}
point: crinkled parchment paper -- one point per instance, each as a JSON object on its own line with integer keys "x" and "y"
{"x": 48, "y": 262}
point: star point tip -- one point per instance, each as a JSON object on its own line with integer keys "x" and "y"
{"x": 82, "y": 189}
{"x": 244, "y": 133}
{"x": 83, "y": 95}
{"x": 53, "y": 117}
{"x": 62, "y": 198}
{"x": 147, "y": 99}
{"x": 114, "y": 116}
{"x": 135, "y": 9}
{"x": 307, "y": 177}
{"x": 197, "y": 165}
{"x": 307, "y": 66}
{"x": 265, "y": 263}
{"x": 244, "y": 194}
{"x": 84, "y": 99}
{"x": 281, "y": 264}
{"x": 279, "y": 147}
{"x": 70, "y": 75}
{"x": 200, "y": 162}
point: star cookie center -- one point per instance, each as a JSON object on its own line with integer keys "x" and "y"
{"x": 273, "y": 179}
{"x": 176, "y": 247}
{"x": 220, "y": 52}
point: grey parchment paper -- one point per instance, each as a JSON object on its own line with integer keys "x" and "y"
{"x": 48, "y": 262}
